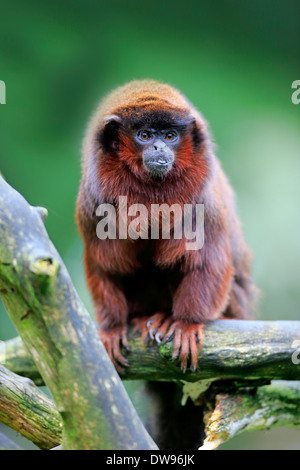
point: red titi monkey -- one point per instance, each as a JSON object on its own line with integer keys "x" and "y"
{"x": 147, "y": 142}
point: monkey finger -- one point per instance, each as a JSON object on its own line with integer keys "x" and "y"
{"x": 163, "y": 329}
{"x": 184, "y": 353}
{"x": 194, "y": 349}
{"x": 117, "y": 352}
{"x": 149, "y": 322}
{"x": 105, "y": 342}
{"x": 108, "y": 346}
{"x": 124, "y": 341}
{"x": 155, "y": 322}
{"x": 177, "y": 343}
{"x": 152, "y": 333}
{"x": 158, "y": 339}
{"x": 200, "y": 333}
{"x": 170, "y": 333}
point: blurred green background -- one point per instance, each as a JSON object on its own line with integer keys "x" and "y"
{"x": 235, "y": 60}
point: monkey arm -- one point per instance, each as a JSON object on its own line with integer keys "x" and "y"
{"x": 111, "y": 309}
{"x": 203, "y": 292}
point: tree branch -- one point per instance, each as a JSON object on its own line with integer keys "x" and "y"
{"x": 270, "y": 406}
{"x": 27, "y": 410}
{"x": 60, "y": 336}
{"x": 232, "y": 349}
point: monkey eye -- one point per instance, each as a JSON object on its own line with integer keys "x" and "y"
{"x": 171, "y": 136}
{"x": 144, "y": 135}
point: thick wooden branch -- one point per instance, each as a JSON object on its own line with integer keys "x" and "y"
{"x": 232, "y": 349}
{"x": 16, "y": 357}
{"x": 270, "y": 406}
{"x": 60, "y": 336}
{"x": 27, "y": 410}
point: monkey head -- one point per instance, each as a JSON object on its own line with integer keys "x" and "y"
{"x": 150, "y": 130}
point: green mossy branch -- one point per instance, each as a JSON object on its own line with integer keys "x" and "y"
{"x": 269, "y": 406}
{"x": 27, "y": 410}
{"x": 235, "y": 349}
{"x": 60, "y": 336}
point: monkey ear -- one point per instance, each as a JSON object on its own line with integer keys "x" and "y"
{"x": 108, "y": 135}
{"x": 198, "y": 130}
{"x": 112, "y": 117}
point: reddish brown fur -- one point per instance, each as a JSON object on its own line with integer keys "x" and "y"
{"x": 137, "y": 279}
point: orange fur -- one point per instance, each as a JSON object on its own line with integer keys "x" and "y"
{"x": 139, "y": 278}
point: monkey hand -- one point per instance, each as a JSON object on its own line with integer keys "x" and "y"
{"x": 113, "y": 339}
{"x": 187, "y": 337}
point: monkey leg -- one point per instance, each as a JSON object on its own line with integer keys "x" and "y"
{"x": 111, "y": 311}
{"x": 111, "y": 314}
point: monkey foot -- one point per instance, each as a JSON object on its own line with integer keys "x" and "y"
{"x": 187, "y": 340}
{"x": 140, "y": 324}
{"x": 113, "y": 339}
{"x": 158, "y": 326}
{"x": 153, "y": 328}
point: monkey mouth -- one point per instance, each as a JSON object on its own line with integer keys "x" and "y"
{"x": 158, "y": 168}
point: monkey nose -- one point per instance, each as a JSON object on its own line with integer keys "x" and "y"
{"x": 159, "y": 145}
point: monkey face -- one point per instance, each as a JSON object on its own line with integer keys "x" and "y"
{"x": 150, "y": 144}
{"x": 158, "y": 149}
